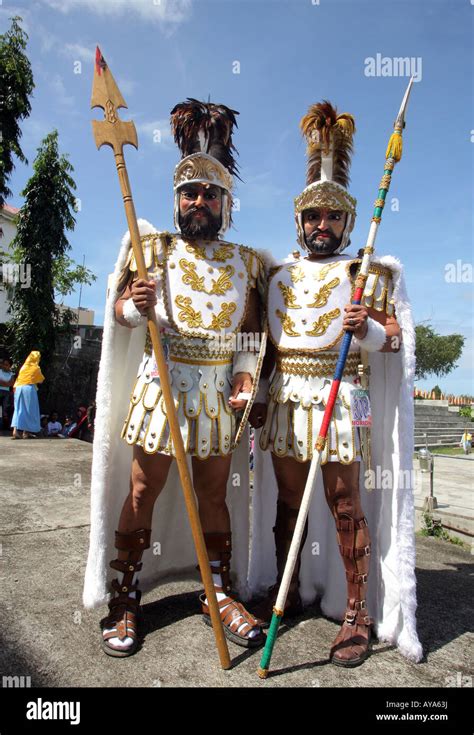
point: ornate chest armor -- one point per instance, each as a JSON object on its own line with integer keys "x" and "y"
{"x": 306, "y": 301}
{"x": 204, "y": 288}
{"x": 202, "y": 295}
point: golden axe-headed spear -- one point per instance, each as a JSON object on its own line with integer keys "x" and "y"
{"x": 116, "y": 133}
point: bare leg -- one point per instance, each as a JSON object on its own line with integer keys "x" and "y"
{"x": 148, "y": 478}
{"x": 210, "y": 484}
{"x": 291, "y": 479}
{"x": 341, "y": 486}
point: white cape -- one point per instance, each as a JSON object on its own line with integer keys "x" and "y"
{"x": 172, "y": 548}
{"x": 389, "y": 511}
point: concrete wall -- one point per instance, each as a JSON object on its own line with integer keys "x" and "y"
{"x": 72, "y": 378}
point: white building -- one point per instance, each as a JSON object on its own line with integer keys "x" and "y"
{"x": 7, "y": 233}
{"x": 8, "y": 229}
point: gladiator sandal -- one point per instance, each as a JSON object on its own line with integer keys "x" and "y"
{"x": 236, "y": 620}
{"x": 121, "y": 622}
{"x": 351, "y": 646}
{"x": 283, "y": 531}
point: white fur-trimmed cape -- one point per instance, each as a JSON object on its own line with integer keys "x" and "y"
{"x": 390, "y": 512}
{"x": 172, "y": 550}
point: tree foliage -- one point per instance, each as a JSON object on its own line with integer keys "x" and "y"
{"x": 40, "y": 248}
{"x": 436, "y": 354}
{"x": 16, "y": 86}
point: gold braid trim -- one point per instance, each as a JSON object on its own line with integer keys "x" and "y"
{"x": 316, "y": 366}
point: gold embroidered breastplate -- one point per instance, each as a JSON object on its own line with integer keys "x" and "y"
{"x": 306, "y": 300}
{"x": 206, "y": 287}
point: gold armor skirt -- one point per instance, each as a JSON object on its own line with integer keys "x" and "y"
{"x": 201, "y": 383}
{"x": 297, "y": 398}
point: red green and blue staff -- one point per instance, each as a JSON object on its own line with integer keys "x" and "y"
{"x": 393, "y": 155}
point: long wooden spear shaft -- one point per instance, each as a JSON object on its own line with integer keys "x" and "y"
{"x": 116, "y": 133}
{"x": 392, "y": 155}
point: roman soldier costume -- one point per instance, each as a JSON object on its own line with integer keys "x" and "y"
{"x": 203, "y": 296}
{"x": 305, "y": 310}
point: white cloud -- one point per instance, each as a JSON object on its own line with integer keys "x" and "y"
{"x": 149, "y": 132}
{"x": 166, "y": 12}
{"x": 77, "y": 51}
{"x": 34, "y": 130}
{"x": 62, "y": 98}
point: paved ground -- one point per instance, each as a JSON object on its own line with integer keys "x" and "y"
{"x": 47, "y": 635}
{"x": 453, "y": 488}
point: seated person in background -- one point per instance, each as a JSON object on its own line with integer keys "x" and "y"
{"x": 54, "y": 426}
{"x": 68, "y": 427}
{"x": 44, "y": 425}
{"x": 80, "y": 429}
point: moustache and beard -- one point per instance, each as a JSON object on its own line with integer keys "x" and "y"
{"x": 324, "y": 246}
{"x": 207, "y": 229}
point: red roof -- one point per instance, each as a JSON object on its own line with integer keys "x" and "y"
{"x": 11, "y": 210}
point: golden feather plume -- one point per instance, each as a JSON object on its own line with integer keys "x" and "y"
{"x": 320, "y": 126}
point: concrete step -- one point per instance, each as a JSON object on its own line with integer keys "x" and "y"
{"x": 455, "y": 420}
{"x": 447, "y": 426}
{"x": 439, "y": 430}
{"x": 440, "y": 439}
{"x": 435, "y": 411}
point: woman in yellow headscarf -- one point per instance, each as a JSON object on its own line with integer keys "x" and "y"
{"x": 26, "y": 417}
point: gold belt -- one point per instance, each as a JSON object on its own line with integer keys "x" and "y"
{"x": 185, "y": 350}
{"x": 199, "y": 361}
{"x": 316, "y": 366}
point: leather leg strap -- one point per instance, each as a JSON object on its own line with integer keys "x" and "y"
{"x": 354, "y": 544}
{"x": 220, "y": 544}
{"x": 123, "y": 608}
{"x": 135, "y": 544}
{"x": 351, "y": 645}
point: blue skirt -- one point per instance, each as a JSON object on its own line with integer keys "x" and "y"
{"x": 26, "y": 416}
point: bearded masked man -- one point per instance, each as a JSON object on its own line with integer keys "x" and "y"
{"x": 308, "y": 311}
{"x": 205, "y": 294}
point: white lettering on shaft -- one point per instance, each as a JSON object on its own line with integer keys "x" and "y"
{"x": 44, "y": 710}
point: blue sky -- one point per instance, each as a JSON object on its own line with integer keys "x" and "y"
{"x": 291, "y": 53}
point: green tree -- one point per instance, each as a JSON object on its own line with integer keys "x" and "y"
{"x": 436, "y": 354}
{"x": 40, "y": 254}
{"x": 16, "y": 86}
